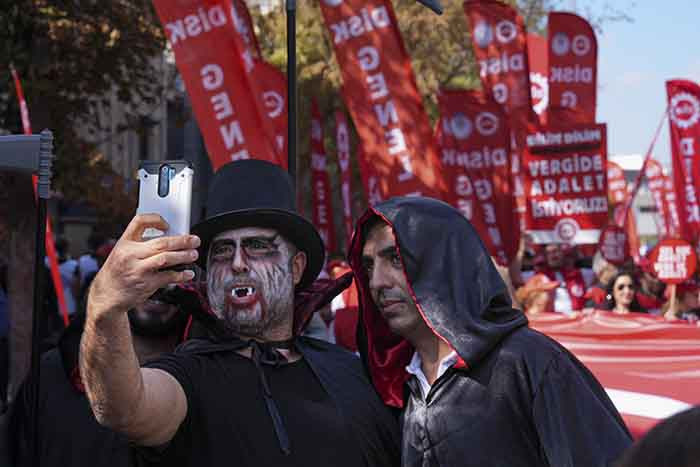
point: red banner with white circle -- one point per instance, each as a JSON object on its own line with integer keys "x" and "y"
{"x": 475, "y": 151}
{"x": 617, "y": 184}
{"x": 684, "y": 117}
{"x": 380, "y": 91}
{"x": 322, "y": 208}
{"x": 673, "y": 260}
{"x": 342, "y": 144}
{"x": 614, "y": 244}
{"x": 565, "y": 176}
{"x": 211, "y": 57}
{"x": 662, "y": 192}
{"x": 573, "y": 59}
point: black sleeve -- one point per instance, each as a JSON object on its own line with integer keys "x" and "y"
{"x": 183, "y": 369}
{"x": 576, "y": 422}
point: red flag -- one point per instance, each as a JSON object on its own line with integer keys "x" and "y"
{"x": 500, "y": 46}
{"x": 657, "y": 182}
{"x": 273, "y": 88}
{"x": 684, "y": 117}
{"x": 244, "y": 26}
{"x": 342, "y": 135}
{"x": 381, "y": 94}
{"x": 566, "y": 183}
{"x": 539, "y": 74}
{"x": 573, "y": 59}
{"x": 225, "y": 97}
{"x": 617, "y": 184}
{"x": 476, "y": 143}
{"x": 49, "y": 242}
{"x": 322, "y": 215}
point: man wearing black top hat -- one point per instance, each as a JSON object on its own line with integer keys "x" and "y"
{"x": 251, "y": 392}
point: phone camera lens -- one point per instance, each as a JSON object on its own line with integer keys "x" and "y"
{"x": 164, "y": 175}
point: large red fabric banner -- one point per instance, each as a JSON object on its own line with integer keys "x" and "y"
{"x": 381, "y": 94}
{"x": 342, "y": 140}
{"x": 476, "y": 142}
{"x": 648, "y": 367}
{"x": 322, "y": 215}
{"x": 229, "y": 110}
{"x": 684, "y": 118}
{"x": 500, "y": 47}
{"x": 539, "y": 74}
{"x": 244, "y": 27}
{"x": 566, "y": 183}
{"x": 573, "y": 59}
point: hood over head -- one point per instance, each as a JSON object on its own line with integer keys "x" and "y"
{"x": 451, "y": 276}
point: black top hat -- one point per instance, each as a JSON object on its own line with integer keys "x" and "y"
{"x": 256, "y": 193}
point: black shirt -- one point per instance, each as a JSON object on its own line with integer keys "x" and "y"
{"x": 227, "y": 421}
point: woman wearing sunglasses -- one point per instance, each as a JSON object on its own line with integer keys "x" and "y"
{"x": 621, "y": 294}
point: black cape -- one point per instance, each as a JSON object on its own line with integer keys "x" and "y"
{"x": 515, "y": 397}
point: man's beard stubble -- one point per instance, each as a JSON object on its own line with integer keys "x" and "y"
{"x": 274, "y": 308}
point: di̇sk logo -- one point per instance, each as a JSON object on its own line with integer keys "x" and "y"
{"x": 274, "y": 103}
{"x": 486, "y": 123}
{"x": 560, "y": 44}
{"x": 483, "y": 34}
{"x": 506, "y": 31}
{"x": 685, "y": 110}
{"x": 500, "y": 93}
{"x": 581, "y": 45}
{"x": 566, "y": 229}
{"x": 461, "y": 126}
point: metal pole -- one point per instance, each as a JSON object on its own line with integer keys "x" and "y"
{"x": 43, "y": 189}
{"x": 291, "y": 7}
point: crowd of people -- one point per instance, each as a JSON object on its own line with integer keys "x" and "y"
{"x": 256, "y": 351}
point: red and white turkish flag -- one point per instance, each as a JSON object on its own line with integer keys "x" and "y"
{"x": 322, "y": 215}
{"x": 475, "y": 150}
{"x": 565, "y": 175}
{"x": 539, "y": 74}
{"x": 342, "y": 140}
{"x": 573, "y": 64}
{"x": 684, "y": 118}
{"x": 210, "y": 56}
{"x": 648, "y": 367}
{"x": 381, "y": 94}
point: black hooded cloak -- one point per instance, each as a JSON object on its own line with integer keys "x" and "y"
{"x": 515, "y": 397}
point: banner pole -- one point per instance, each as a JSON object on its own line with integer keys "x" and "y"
{"x": 672, "y": 308}
{"x": 291, "y": 6}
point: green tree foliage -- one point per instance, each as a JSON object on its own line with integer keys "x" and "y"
{"x": 70, "y": 55}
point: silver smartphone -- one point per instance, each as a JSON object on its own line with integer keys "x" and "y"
{"x": 165, "y": 188}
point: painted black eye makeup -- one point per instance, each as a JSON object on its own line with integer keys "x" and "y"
{"x": 253, "y": 247}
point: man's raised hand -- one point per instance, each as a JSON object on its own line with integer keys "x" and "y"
{"x": 135, "y": 268}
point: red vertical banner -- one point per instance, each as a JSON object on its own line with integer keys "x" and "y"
{"x": 573, "y": 68}
{"x": 211, "y": 60}
{"x": 499, "y": 40}
{"x": 381, "y": 94}
{"x": 475, "y": 153}
{"x": 342, "y": 139}
{"x": 539, "y": 74}
{"x": 617, "y": 184}
{"x": 566, "y": 183}
{"x": 244, "y": 27}
{"x": 273, "y": 89}
{"x": 322, "y": 210}
{"x": 49, "y": 243}
{"x": 657, "y": 183}
{"x": 684, "y": 117}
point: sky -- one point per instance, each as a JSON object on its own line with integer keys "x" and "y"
{"x": 634, "y": 61}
